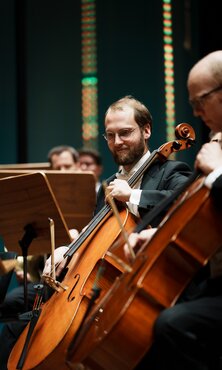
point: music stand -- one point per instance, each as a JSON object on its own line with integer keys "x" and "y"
{"x": 74, "y": 192}
{"x": 26, "y": 204}
{"x": 76, "y": 196}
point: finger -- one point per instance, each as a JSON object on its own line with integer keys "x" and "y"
{"x": 47, "y": 266}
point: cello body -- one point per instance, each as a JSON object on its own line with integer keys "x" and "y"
{"x": 45, "y": 353}
{"x": 119, "y": 330}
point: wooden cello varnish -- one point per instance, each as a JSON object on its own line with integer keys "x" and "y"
{"x": 53, "y": 335}
{"x": 118, "y": 332}
{"x": 62, "y": 315}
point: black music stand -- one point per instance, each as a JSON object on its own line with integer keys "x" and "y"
{"x": 27, "y": 203}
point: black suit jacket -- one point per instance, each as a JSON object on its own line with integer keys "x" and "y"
{"x": 158, "y": 181}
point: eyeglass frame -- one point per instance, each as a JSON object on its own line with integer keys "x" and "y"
{"x": 123, "y": 137}
{"x": 199, "y": 101}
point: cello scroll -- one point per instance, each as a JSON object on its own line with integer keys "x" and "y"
{"x": 186, "y": 138}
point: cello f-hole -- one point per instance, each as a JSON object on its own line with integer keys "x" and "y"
{"x": 70, "y": 298}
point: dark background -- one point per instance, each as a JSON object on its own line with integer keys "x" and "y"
{"x": 40, "y": 69}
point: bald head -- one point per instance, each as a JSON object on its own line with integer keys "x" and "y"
{"x": 205, "y": 90}
{"x": 207, "y": 69}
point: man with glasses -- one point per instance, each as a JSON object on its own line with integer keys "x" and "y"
{"x": 63, "y": 158}
{"x": 188, "y": 335}
{"x": 91, "y": 160}
{"x": 128, "y": 126}
{"x": 198, "y": 103}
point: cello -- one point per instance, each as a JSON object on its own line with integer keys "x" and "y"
{"x": 119, "y": 330}
{"x": 50, "y": 339}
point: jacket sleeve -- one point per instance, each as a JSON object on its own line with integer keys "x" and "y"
{"x": 160, "y": 181}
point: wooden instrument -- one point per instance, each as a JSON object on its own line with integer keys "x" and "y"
{"x": 63, "y": 313}
{"x": 119, "y": 330}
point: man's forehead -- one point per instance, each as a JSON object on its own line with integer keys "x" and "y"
{"x": 200, "y": 75}
{"x": 85, "y": 158}
{"x": 66, "y": 155}
{"x": 120, "y": 111}
{"x": 199, "y": 83}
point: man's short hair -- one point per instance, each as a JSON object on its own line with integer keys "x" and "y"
{"x": 142, "y": 114}
{"x": 92, "y": 153}
{"x": 63, "y": 148}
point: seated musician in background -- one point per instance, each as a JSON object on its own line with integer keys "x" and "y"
{"x": 63, "y": 157}
{"x": 91, "y": 160}
{"x": 188, "y": 335}
{"x": 128, "y": 126}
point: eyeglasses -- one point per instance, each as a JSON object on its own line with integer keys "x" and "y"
{"x": 123, "y": 134}
{"x": 86, "y": 164}
{"x": 198, "y": 103}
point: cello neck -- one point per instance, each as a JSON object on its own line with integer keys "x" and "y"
{"x": 137, "y": 175}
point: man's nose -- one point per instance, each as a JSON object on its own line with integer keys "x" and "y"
{"x": 197, "y": 111}
{"x": 83, "y": 166}
{"x": 117, "y": 139}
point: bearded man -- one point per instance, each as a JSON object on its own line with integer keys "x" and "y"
{"x": 128, "y": 127}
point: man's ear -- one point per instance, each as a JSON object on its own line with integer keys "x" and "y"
{"x": 147, "y": 131}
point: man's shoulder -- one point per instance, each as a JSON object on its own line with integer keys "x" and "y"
{"x": 169, "y": 166}
{"x": 172, "y": 164}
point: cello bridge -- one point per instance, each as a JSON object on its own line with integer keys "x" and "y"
{"x": 54, "y": 284}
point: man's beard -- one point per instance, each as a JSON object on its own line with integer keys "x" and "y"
{"x": 132, "y": 154}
